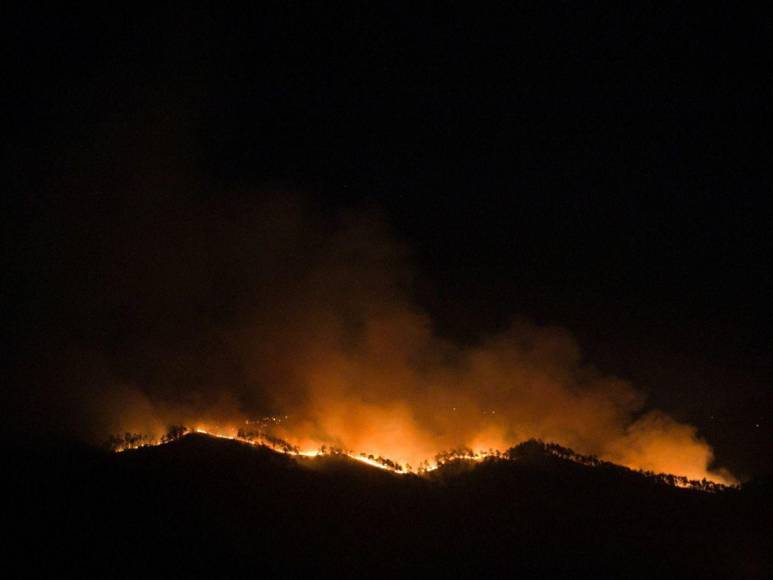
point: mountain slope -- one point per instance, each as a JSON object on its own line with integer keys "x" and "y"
{"x": 202, "y": 503}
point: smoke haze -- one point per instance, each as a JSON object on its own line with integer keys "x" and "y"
{"x": 177, "y": 309}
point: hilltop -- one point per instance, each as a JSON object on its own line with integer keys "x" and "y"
{"x": 202, "y": 503}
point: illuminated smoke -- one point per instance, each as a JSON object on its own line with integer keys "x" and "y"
{"x": 227, "y": 314}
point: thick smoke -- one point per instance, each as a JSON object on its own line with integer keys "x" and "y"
{"x": 203, "y": 313}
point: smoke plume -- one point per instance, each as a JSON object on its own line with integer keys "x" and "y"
{"x": 217, "y": 313}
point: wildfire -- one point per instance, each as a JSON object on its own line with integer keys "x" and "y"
{"x": 328, "y": 331}
{"x": 263, "y": 439}
{"x": 136, "y": 441}
{"x": 297, "y": 452}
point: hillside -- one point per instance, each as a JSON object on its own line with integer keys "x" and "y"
{"x": 206, "y": 504}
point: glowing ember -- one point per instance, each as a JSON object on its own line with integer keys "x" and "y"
{"x": 138, "y": 441}
{"x": 261, "y": 439}
{"x": 330, "y": 340}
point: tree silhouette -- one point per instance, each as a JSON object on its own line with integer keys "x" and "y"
{"x": 173, "y": 433}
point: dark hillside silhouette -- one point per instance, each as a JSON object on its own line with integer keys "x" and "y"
{"x": 200, "y": 504}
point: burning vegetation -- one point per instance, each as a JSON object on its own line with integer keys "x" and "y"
{"x": 224, "y": 313}
{"x": 526, "y": 450}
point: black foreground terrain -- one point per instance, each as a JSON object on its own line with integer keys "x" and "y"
{"x": 204, "y": 506}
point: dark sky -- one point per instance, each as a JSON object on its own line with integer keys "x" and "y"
{"x": 605, "y": 170}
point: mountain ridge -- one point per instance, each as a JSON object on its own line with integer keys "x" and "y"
{"x": 208, "y": 503}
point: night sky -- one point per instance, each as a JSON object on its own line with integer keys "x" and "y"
{"x": 603, "y": 170}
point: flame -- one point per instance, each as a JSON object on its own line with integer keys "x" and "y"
{"x": 379, "y": 462}
{"x": 313, "y": 452}
{"x": 326, "y": 332}
{"x": 368, "y": 459}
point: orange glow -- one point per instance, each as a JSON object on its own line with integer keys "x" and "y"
{"x": 688, "y": 476}
{"x": 343, "y": 356}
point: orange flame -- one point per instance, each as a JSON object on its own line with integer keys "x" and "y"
{"x": 333, "y": 341}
